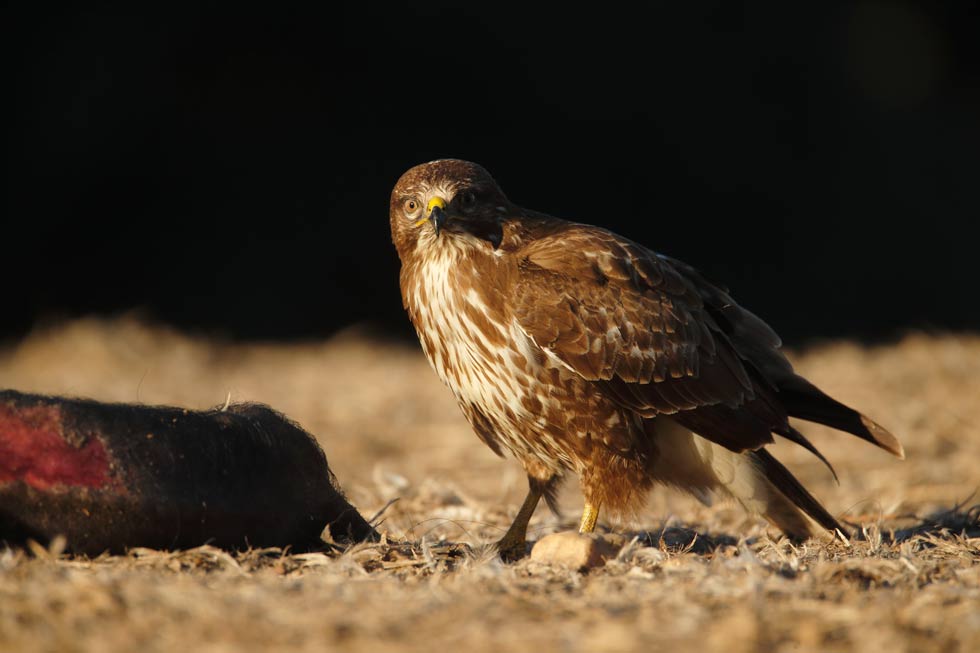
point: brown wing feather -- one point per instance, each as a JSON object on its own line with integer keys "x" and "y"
{"x": 618, "y": 314}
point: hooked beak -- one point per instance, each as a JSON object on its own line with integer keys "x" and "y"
{"x": 437, "y": 213}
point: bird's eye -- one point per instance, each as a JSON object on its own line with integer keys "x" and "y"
{"x": 412, "y": 206}
{"x": 468, "y": 200}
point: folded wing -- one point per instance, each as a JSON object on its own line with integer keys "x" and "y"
{"x": 660, "y": 339}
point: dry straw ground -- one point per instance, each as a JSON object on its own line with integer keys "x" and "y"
{"x": 691, "y": 577}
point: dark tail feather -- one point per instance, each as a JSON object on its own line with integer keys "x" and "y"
{"x": 793, "y": 435}
{"x": 804, "y": 400}
{"x": 785, "y": 482}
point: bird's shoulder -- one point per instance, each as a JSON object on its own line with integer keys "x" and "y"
{"x": 607, "y": 306}
{"x": 585, "y": 259}
{"x": 581, "y": 260}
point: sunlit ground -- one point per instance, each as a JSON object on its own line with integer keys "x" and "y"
{"x": 911, "y": 581}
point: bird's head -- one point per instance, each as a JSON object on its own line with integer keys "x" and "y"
{"x": 447, "y": 202}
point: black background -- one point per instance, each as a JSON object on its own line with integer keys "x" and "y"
{"x": 228, "y": 170}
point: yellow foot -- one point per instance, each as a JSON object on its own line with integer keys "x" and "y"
{"x": 589, "y": 516}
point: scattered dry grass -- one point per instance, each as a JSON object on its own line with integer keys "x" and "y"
{"x": 911, "y": 581}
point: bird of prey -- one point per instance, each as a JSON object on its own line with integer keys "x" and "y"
{"x": 577, "y": 350}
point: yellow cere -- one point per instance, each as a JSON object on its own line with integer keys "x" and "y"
{"x": 434, "y": 202}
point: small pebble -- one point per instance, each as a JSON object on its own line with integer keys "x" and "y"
{"x": 576, "y": 550}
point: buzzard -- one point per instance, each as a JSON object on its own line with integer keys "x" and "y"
{"x": 577, "y": 350}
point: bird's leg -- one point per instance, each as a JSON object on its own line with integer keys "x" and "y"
{"x": 513, "y": 544}
{"x": 589, "y": 516}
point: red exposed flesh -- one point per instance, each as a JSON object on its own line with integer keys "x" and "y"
{"x": 33, "y": 450}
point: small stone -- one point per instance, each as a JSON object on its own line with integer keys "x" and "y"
{"x": 576, "y": 550}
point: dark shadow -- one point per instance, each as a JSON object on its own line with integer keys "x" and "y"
{"x": 958, "y": 521}
{"x": 683, "y": 539}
